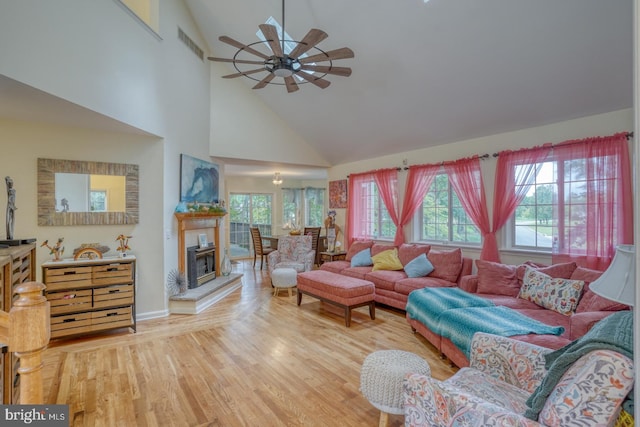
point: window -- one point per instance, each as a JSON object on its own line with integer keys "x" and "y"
{"x": 303, "y": 207}
{"x": 246, "y": 210}
{"x": 291, "y": 201}
{"x": 376, "y": 219}
{"x": 314, "y": 207}
{"x": 443, "y": 218}
{"x": 534, "y": 221}
{"x": 553, "y": 215}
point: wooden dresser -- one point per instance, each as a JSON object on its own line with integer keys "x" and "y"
{"x": 89, "y": 296}
{"x": 17, "y": 265}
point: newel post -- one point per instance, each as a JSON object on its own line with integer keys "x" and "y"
{"x": 29, "y": 334}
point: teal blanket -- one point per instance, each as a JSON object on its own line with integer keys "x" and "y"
{"x": 427, "y": 304}
{"x": 614, "y": 332}
{"x": 460, "y": 324}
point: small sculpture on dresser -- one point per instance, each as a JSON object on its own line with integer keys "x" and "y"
{"x": 123, "y": 245}
{"x": 57, "y": 250}
{"x": 11, "y": 206}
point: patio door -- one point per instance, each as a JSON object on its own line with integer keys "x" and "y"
{"x": 248, "y": 210}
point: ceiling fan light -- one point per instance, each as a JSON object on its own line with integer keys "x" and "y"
{"x": 282, "y": 72}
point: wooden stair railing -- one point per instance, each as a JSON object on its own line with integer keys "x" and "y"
{"x": 27, "y": 330}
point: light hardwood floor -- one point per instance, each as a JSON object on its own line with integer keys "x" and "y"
{"x": 251, "y": 359}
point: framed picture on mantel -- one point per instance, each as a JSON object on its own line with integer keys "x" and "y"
{"x": 202, "y": 241}
{"x": 198, "y": 180}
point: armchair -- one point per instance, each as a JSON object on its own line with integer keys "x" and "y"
{"x": 503, "y": 374}
{"x": 293, "y": 252}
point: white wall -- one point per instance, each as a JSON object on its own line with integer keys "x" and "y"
{"x": 243, "y": 127}
{"x": 603, "y": 124}
{"x": 24, "y": 142}
{"x": 97, "y": 56}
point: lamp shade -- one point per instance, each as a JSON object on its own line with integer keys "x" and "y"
{"x": 618, "y": 282}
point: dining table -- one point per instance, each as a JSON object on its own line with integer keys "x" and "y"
{"x": 273, "y": 241}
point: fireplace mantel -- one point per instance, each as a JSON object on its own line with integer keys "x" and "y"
{"x": 197, "y": 221}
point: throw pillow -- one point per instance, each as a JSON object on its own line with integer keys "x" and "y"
{"x": 420, "y": 266}
{"x": 446, "y": 264}
{"x": 560, "y": 295}
{"x": 357, "y": 246}
{"x": 362, "y": 258}
{"x": 408, "y": 251}
{"x": 380, "y": 247}
{"x": 591, "y": 301}
{"x": 562, "y": 270}
{"x": 387, "y": 260}
{"x": 497, "y": 279}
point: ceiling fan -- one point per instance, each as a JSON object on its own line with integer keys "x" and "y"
{"x": 288, "y": 59}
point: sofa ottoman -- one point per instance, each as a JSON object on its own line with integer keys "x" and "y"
{"x": 345, "y": 292}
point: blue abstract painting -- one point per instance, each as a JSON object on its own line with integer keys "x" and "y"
{"x": 198, "y": 180}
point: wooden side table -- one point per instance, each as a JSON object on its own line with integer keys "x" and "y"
{"x": 332, "y": 256}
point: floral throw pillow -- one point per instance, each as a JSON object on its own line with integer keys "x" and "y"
{"x": 561, "y": 295}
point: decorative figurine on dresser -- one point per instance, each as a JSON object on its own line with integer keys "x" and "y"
{"x": 56, "y": 250}
{"x": 11, "y": 217}
{"x": 11, "y": 206}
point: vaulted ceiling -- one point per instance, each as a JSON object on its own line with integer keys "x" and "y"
{"x": 426, "y": 74}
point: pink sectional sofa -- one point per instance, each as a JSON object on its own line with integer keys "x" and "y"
{"x": 502, "y": 285}
{"x": 392, "y": 287}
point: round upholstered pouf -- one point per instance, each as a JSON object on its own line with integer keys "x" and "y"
{"x": 282, "y": 278}
{"x": 381, "y": 378}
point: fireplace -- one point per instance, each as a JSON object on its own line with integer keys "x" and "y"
{"x": 201, "y": 265}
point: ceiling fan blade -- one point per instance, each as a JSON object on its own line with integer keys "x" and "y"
{"x": 262, "y": 83}
{"x": 338, "y": 71}
{"x": 271, "y": 34}
{"x": 323, "y": 84}
{"x": 341, "y": 53}
{"x": 292, "y": 86}
{"x": 237, "y": 61}
{"x": 313, "y": 37}
{"x": 244, "y": 73}
{"x": 235, "y": 43}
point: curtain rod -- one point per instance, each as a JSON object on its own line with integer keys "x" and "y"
{"x": 371, "y": 171}
{"x": 481, "y": 157}
{"x": 628, "y": 135}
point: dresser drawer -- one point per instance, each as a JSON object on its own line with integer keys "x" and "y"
{"x": 68, "y": 277}
{"x": 70, "y": 324}
{"x": 114, "y": 318}
{"x": 69, "y": 301}
{"x": 113, "y": 296}
{"x": 113, "y": 273}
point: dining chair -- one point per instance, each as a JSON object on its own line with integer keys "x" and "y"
{"x": 315, "y": 235}
{"x": 258, "y": 248}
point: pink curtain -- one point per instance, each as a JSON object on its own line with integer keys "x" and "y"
{"x": 356, "y": 207}
{"x": 387, "y": 182}
{"x": 598, "y": 205}
{"x": 515, "y": 173}
{"x": 419, "y": 180}
{"x": 465, "y": 177}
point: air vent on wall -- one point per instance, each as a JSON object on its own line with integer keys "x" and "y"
{"x": 190, "y": 44}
